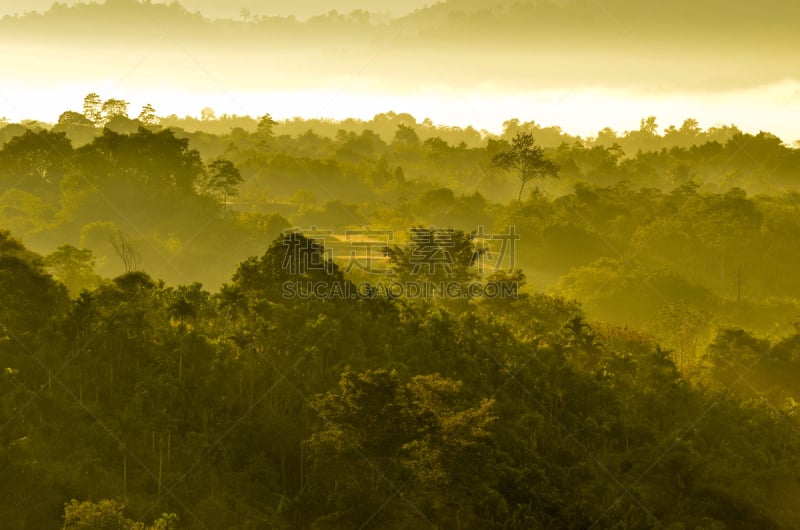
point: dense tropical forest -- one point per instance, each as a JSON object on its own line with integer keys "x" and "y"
{"x": 640, "y": 373}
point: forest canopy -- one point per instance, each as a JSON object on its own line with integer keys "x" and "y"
{"x": 201, "y": 324}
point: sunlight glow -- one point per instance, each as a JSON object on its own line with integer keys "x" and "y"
{"x": 578, "y": 111}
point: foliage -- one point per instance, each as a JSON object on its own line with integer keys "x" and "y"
{"x": 247, "y": 408}
{"x": 107, "y": 514}
{"x": 655, "y": 385}
{"x": 527, "y": 159}
{"x": 222, "y": 180}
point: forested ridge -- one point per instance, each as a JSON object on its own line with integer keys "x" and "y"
{"x": 562, "y": 41}
{"x": 155, "y": 374}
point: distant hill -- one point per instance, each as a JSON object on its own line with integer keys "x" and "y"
{"x": 301, "y": 9}
{"x": 643, "y": 43}
{"x": 573, "y": 24}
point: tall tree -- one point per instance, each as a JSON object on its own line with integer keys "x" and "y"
{"x": 92, "y": 108}
{"x": 125, "y": 251}
{"x": 527, "y": 159}
{"x": 264, "y": 129}
{"x": 148, "y": 115}
{"x": 114, "y": 107}
{"x": 222, "y": 180}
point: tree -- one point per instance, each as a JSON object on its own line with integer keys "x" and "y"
{"x": 71, "y": 118}
{"x": 684, "y": 327}
{"x": 148, "y": 115}
{"x": 79, "y": 129}
{"x": 92, "y": 108}
{"x": 222, "y": 180}
{"x": 126, "y": 252}
{"x": 264, "y": 129}
{"x": 73, "y": 267}
{"x": 648, "y": 126}
{"x": 207, "y": 113}
{"x": 114, "y": 107}
{"x": 527, "y": 159}
{"x": 292, "y": 257}
{"x": 402, "y": 449}
{"x": 35, "y": 162}
{"x": 405, "y": 136}
{"x": 155, "y": 161}
{"x": 29, "y": 297}
{"x": 435, "y": 254}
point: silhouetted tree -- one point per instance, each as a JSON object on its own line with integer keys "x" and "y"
{"x": 114, "y": 107}
{"x": 264, "y": 129}
{"x": 527, "y": 159}
{"x": 93, "y": 108}
{"x": 222, "y": 180}
{"x": 148, "y": 115}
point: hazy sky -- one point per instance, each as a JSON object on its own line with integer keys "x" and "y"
{"x": 456, "y": 77}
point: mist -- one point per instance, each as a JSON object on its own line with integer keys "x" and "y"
{"x": 468, "y": 265}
